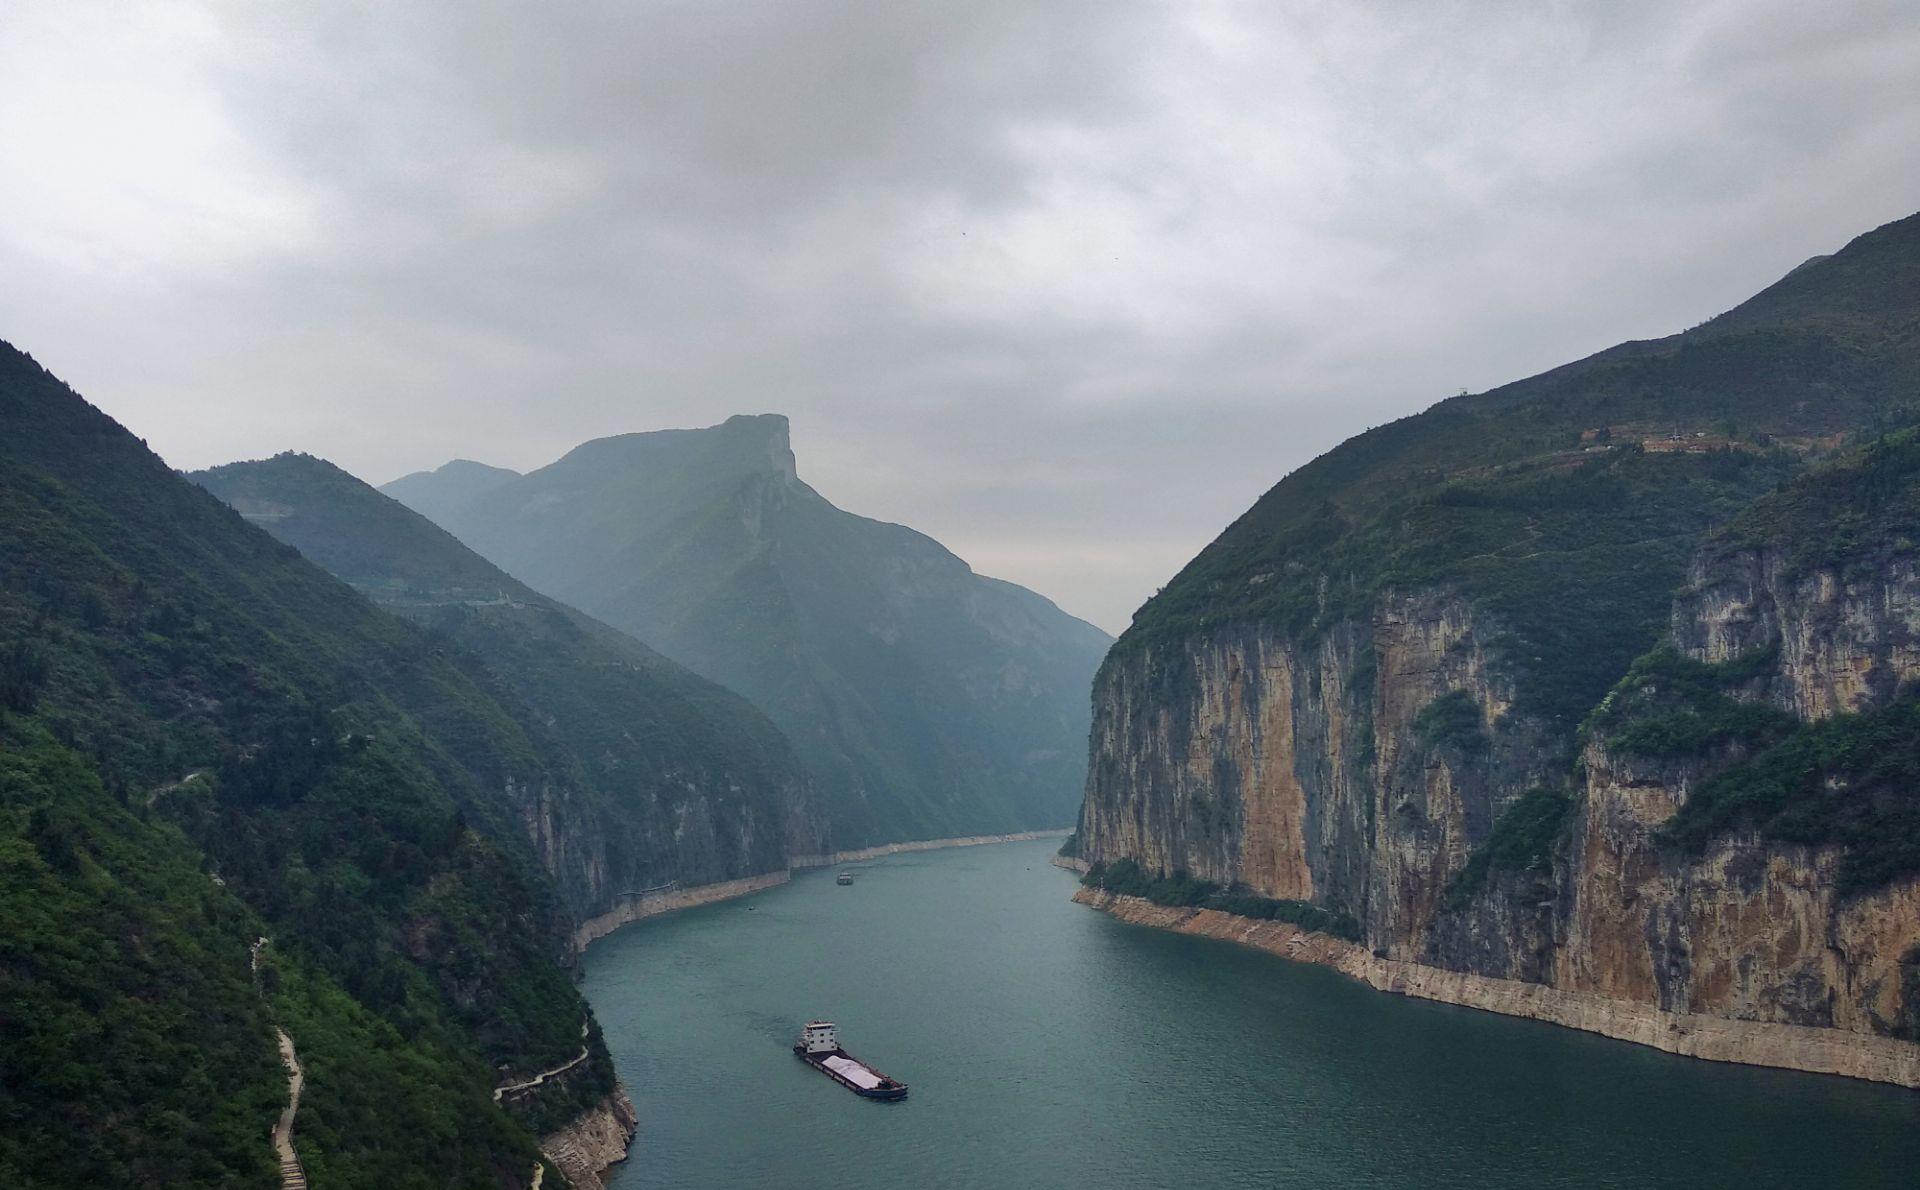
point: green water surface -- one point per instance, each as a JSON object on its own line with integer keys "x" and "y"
{"x": 1050, "y": 1046}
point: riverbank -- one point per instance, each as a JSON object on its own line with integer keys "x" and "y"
{"x": 1716, "y": 1039}
{"x": 802, "y": 862}
{"x": 653, "y": 904}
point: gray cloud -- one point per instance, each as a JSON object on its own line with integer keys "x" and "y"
{"x": 1066, "y": 285}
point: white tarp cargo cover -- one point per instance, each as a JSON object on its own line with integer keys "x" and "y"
{"x": 851, "y": 1070}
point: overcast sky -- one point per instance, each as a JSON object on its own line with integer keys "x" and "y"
{"x": 1066, "y": 285}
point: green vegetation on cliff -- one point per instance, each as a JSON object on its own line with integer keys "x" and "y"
{"x": 208, "y": 739}
{"x": 1451, "y": 721}
{"x": 1566, "y": 506}
{"x": 1670, "y": 706}
{"x": 1125, "y": 877}
{"x": 1851, "y": 780}
{"x": 1522, "y": 841}
{"x": 1853, "y": 515}
{"x": 1521, "y": 550}
{"x": 676, "y": 778}
{"x": 136, "y": 1050}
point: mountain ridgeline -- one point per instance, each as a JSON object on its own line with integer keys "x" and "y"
{"x": 1590, "y": 696}
{"x": 925, "y": 700}
{"x": 664, "y": 777}
{"x": 206, "y": 741}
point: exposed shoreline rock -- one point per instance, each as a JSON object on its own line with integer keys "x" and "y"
{"x": 654, "y": 904}
{"x": 1868, "y": 1056}
{"x": 595, "y": 1142}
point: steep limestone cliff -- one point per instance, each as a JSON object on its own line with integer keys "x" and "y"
{"x": 1321, "y": 772}
{"x": 1313, "y": 771}
{"x": 1379, "y": 703}
{"x": 1754, "y": 928}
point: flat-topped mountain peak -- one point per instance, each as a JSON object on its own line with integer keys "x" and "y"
{"x": 744, "y": 444}
{"x": 901, "y": 676}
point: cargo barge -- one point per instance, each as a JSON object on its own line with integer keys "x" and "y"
{"x": 819, "y": 1047}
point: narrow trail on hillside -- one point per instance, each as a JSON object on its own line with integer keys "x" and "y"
{"x": 544, "y": 1075}
{"x": 292, "y": 1175}
{"x": 163, "y": 790}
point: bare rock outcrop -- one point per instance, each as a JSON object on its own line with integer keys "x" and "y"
{"x": 594, "y": 1142}
{"x": 1359, "y": 769}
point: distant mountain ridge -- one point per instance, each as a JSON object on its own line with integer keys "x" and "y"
{"x": 676, "y": 780}
{"x": 926, "y": 700}
{"x": 430, "y": 493}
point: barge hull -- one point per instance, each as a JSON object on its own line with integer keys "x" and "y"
{"x": 853, "y": 1074}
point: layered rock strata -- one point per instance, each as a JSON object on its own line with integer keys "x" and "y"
{"x": 594, "y": 1142}
{"x": 1359, "y": 769}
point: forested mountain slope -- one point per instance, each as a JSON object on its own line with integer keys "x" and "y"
{"x": 926, "y": 700}
{"x": 672, "y": 779}
{"x": 1367, "y": 696}
{"x": 207, "y": 739}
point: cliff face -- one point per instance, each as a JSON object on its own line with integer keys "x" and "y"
{"x": 1753, "y": 928}
{"x": 1307, "y": 772}
{"x": 1438, "y": 685}
{"x": 1846, "y": 639}
{"x": 631, "y": 774}
{"x": 594, "y": 1142}
{"x": 1320, "y": 772}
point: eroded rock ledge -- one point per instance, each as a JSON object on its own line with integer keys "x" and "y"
{"x": 595, "y": 1142}
{"x": 1717, "y": 1039}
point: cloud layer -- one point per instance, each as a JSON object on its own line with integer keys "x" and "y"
{"x": 1066, "y": 285}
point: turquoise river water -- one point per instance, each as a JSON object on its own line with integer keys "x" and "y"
{"x": 1048, "y": 1045}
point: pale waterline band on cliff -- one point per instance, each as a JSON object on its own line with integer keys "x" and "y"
{"x": 1865, "y": 1056}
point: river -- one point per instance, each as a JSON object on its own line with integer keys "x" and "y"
{"x": 1050, "y": 1046}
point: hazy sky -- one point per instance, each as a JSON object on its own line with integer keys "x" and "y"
{"x": 1066, "y": 285}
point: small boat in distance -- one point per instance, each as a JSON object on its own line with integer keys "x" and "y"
{"x": 844, "y": 878}
{"x": 819, "y": 1047}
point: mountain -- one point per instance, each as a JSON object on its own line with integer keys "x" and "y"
{"x": 926, "y": 700}
{"x": 1553, "y": 688}
{"x": 435, "y": 493}
{"x": 669, "y": 778}
{"x": 205, "y": 741}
